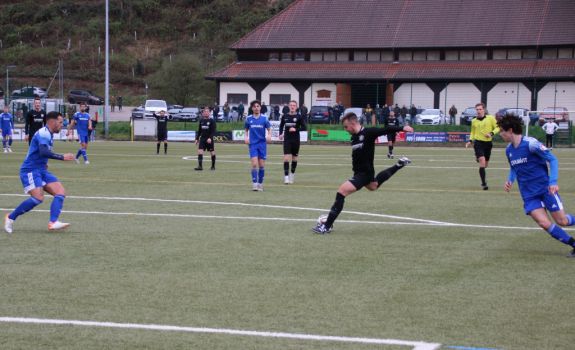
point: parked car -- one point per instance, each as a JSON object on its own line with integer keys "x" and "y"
{"x": 86, "y": 96}
{"x": 154, "y": 106}
{"x": 467, "y": 116}
{"x": 173, "y": 112}
{"x": 30, "y": 92}
{"x": 558, "y": 114}
{"x": 521, "y": 113}
{"x": 319, "y": 115}
{"x": 430, "y": 116}
{"x": 188, "y": 114}
{"x": 138, "y": 112}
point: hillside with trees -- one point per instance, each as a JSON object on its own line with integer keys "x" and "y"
{"x": 168, "y": 46}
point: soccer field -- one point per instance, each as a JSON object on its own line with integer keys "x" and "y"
{"x": 159, "y": 256}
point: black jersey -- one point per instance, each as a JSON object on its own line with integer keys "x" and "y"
{"x": 363, "y": 147}
{"x": 206, "y": 129}
{"x": 162, "y": 123}
{"x": 289, "y": 121}
{"x": 35, "y": 120}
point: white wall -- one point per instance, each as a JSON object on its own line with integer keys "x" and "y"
{"x": 236, "y": 88}
{"x": 279, "y": 88}
{"x": 565, "y": 96}
{"x": 418, "y": 94}
{"x": 310, "y": 97}
{"x": 461, "y": 95}
{"x": 514, "y": 95}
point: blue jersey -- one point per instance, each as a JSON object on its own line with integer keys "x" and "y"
{"x": 257, "y": 128}
{"x": 529, "y": 165}
{"x": 34, "y": 159}
{"x": 6, "y": 122}
{"x": 82, "y": 123}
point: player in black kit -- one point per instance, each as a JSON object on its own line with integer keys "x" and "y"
{"x": 205, "y": 138}
{"x": 35, "y": 120}
{"x": 290, "y": 126}
{"x": 162, "y": 131}
{"x": 362, "y": 154}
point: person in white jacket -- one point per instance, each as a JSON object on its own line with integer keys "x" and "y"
{"x": 550, "y": 128}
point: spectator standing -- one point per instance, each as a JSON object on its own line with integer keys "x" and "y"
{"x": 241, "y": 109}
{"x": 120, "y": 101}
{"x": 215, "y": 111}
{"x": 452, "y": 114}
{"x": 303, "y": 111}
{"x": 550, "y": 128}
{"x": 113, "y": 103}
{"x": 276, "y": 113}
{"x": 285, "y": 109}
{"x": 226, "y": 112}
{"x": 403, "y": 112}
{"x": 93, "y": 132}
{"x": 384, "y": 114}
{"x": 264, "y": 109}
{"x": 377, "y": 112}
{"x": 412, "y": 114}
{"x": 368, "y": 112}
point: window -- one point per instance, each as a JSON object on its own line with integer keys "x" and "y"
{"x": 480, "y": 55}
{"x": 419, "y": 55}
{"x": 329, "y": 56}
{"x": 286, "y": 56}
{"x": 316, "y": 56}
{"x": 274, "y": 56}
{"x": 299, "y": 56}
{"x": 405, "y": 55}
{"x": 529, "y": 53}
{"x": 387, "y": 56}
{"x": 465, "y": 55}
{"x": 566, "y": 53}
{"x": 373, "y": 56}
{"x": 342, "y": 56}
{"x": 360, "y": 55}
{"x": 550, "y": 53}
{"x": 499, "y": 54}
{"x": 433, "y": 55}
{"x": 451, "y": 55}
{"x": 279, "y": 99}
{"x": 513, "y": 54}
{"x": 237, "y": 98}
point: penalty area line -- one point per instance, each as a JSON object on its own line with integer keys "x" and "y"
{"x": 415, "y": 345}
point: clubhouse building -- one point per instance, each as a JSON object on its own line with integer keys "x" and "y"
{"x": 433, "y": 54}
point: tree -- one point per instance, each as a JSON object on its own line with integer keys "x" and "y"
{"x": 182, "y": 81}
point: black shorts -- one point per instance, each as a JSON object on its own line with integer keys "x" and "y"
{"x": 204, "y": 145}
{"x": 291, "y": 147}
{"x": 391, "y": 137}
{"x": 163, "y": 135}
{"x": 482, "y": 149}
{"x": 359, "y": 180}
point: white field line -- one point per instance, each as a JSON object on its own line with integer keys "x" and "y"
{"x": 418, "y": 222}
{"x": 416, "y": 345}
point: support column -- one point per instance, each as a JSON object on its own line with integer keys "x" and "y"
{"x": 534, "y": 87}
{"x": 258, "y": 87}
{"x": 301, "y": 87}
{"x": 484, "y": 87}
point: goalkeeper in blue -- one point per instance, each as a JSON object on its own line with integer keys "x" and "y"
{"x": 36, "y": 178}
{"x": 536, "y": 170}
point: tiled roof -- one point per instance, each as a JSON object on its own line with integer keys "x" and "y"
{"x": 362, "y": 71}
{"x": 346, "y": 24}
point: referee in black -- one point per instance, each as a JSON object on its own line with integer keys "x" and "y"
{"x": 290, "y": 126}
{"x": 35, "y": 120}
{"x": 362, "y": 155}
{"x": 162, "y": 131}
{"x": 205, "y": 138}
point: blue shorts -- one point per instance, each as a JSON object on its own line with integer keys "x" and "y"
{"x": 83, "y": 138}
{"x": 32, "y": 179}
{"x": 551, "y": 202}
{"x": 6, "y": 132}
{"x": 259, "y": 150}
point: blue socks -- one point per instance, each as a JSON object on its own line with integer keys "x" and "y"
{"x": 261, "y": 175}
{"x": 82, "y": 152}
{"x": 56, "y": 207}
{"x": 559, "y": 234}
{"x": 24, "y": 207}
{"x": 570, "y": 219}
{"x": 258, "y": 175}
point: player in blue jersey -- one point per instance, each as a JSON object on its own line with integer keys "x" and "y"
{"x": 83, "y": 124}
{"x": 258, "y": 134}
{"x": 537, "y": 180}
{"x": 6, "y": 126}
{"x": 36, "y": 178}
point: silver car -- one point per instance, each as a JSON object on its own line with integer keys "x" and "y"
{"x": 430, "y": 117}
